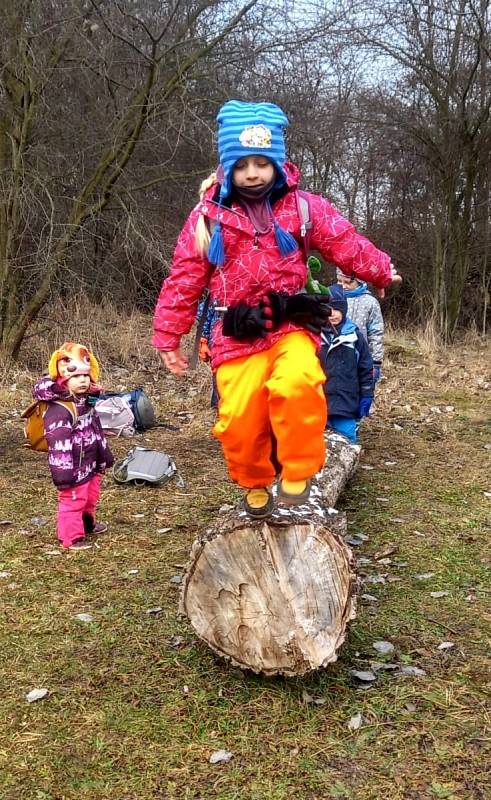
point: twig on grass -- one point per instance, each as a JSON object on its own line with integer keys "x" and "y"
{"x": 447, "y": 628}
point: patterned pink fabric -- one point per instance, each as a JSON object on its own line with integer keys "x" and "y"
{"x": 253, "y": 266}
{"x": 72, "y": 505}
{"x": 75, "y": 453}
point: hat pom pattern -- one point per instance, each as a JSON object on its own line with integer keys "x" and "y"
{"x": 256, "y": 136}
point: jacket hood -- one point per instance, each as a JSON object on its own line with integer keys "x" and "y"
{"x": 291, "y": 171}
{"x": 48, "y": 389}
{"x": 337, "y": 299}
{"x": 361, "y": 289}
{"x": 329, "y": 334}
{"x": 348, "y": 326}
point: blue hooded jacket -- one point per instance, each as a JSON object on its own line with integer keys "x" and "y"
{"x": 347, "y": 362}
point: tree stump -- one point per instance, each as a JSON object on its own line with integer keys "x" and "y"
{"x": 275, "y": 596}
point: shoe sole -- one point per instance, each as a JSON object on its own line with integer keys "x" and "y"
{"x": 262, "y": 515}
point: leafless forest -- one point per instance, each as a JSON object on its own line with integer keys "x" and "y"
{"x": 107, "y": 114}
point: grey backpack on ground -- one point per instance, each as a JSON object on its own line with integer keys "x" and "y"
{"x": 143, "y": 465}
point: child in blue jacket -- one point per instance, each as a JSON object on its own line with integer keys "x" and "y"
{"x": 348, "y": 365}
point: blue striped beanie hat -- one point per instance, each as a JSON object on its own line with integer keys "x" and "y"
{"x": 250, "y": 129}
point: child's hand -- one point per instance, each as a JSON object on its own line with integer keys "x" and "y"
{"x": 204, "y": 350}
{"x": 174, "y": 361}
{"x": 395, "y": 283}
{"x": 364, "y": 406}
{"x": 247, "y": 322}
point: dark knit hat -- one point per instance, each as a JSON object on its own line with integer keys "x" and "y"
{"x": 250, "y": 129}
{"x": 337, "y": 299}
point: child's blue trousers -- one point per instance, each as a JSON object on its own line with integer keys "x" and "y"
{"x": 347, "y": 426}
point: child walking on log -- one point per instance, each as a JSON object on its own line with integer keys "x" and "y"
{"x": 243, "y": 241}
{"x": 78, "y": 453}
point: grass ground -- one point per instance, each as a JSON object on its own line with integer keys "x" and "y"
{"x": 137, "y": 705}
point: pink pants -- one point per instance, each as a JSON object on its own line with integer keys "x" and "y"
{"x": 72, "y": 505}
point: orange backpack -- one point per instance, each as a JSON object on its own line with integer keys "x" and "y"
{"x": 34, "y": 422}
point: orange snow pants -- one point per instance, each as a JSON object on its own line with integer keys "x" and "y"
{"x": 276, "y": 393}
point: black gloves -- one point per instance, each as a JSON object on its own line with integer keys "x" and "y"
{"x": 244, "y": 322}
{"x": 248, "y": 322}
{"x": 311, "y": 311}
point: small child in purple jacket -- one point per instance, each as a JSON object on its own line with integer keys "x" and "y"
{"x": 78, "y": 453}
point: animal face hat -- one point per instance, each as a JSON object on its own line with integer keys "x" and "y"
{"x": 73, "y": 359}
{"x": 250, "y": 129}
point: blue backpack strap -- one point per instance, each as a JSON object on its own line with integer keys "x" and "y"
{"x": 193, "y": 361}
{"x": 200, "y": 323}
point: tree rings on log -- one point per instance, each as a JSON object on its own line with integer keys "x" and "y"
{"x": 272, "y": 596}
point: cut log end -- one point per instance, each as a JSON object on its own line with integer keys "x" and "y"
{"x": 273, "y": 597}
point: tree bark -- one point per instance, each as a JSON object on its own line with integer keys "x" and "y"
{"x": 275, "y": 596}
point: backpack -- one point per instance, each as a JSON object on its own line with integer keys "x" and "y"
{"x": 139, "y": 404}
{"x": 143, "y": 410}
{"x": 143, "y": 465}
{"x": 115, "y": 415}
{"x": 34, "y": 422}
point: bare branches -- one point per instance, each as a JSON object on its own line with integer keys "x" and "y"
{"x": 107, "y": 123}
{"x": 156, "y": 71}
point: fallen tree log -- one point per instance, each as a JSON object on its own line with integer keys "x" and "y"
{"x": 341, "y": 464}
{"x": 276, "y": 596}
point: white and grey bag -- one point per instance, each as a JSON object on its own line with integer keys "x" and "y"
{"x": 116, "y": 416}
{"x": 143, "y": 465}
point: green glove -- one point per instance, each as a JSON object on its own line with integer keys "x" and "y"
{"x": 313, "y": 286}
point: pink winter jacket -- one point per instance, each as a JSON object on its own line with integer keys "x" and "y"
{"x": 253, "y": 266}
